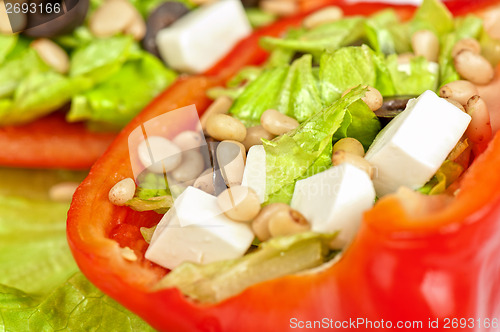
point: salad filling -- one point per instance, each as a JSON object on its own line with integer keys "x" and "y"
{"x": 289, "y": 156}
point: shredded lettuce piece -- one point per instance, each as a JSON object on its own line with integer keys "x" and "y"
{"x": 329, "y": 36}
{"x": 305, "y": 151}
{"x": 420, "y": 76}
{"x": 124, "y": 94}
{"x": 275, "y": 258}
{"x": 7, "y": 43}
{"x": 448, "y": 173}
{"x": 386, "y": 34}
{"x": 434, "y": 16}
{"x": 351, "y": 66}
{"x": 299, "y": 96}
{"x": 259, "y": 95}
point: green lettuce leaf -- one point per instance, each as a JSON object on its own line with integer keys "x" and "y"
{"x": 259, "y": 95}
{"x": 299, "y": 96}
{"x": 277, "y": 257}
{"x": 7, "y": 43}
{"x": 386, "y": 34}
{"x": 419, "y": 77}
{"x": 101, "y": 58}
{"x": 352, "y": 66}
{"x": 306, "y": 150}
{"x": 124, "y": 94}
{"x": 434, "y": 16}
{"x": 444, "y": 177}
{"x": 13, "y": 71}
{"x": 41, "y": 93}
{"x": 40, "y": 286}
{"x": 329, "y": 36}
{"x": 76, "y": 305}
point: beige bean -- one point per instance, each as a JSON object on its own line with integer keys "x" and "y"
{"x": 425, "y": 43}
{"x": 255, "y": 136}
{"x": 277, "y": 123}
{"x": 349, "y": 145}
{"x": 220, "y": 105}
{"x": 188, "y": 140}
{"x": 159, "y": 154}
{"x": 190, "y": 168}
{"x": 122, "y": 192}
{"x": 224, "y": 127}
{"x": 492, "y": 22}
{"x": 205, "y": 181}
{"x": 341, "y": 157}
{"x": 456, "y": 104}
{"x": 287, "y": 221}
{"x": 231, "y": 157}
{"x": 325, "y": 15}
{"x": 239, "y": 203}
{"x": 260, "y": 225}
{"x": 52, "y": 54}
{"x": 373, "y": 98}
{"x": 279, "y": 7}
{"x": 63, "y": 192}
{"x": 473, "y": 67}
{"x": 460, "y": 91}
{"x": 466, "y": 44}
{"x": 112, "y": 18}
{"x": 136, "y": 29}
{"x": 479, "y": 129}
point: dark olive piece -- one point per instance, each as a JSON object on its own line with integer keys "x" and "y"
{"x": 218, "y": 179}
{"x": 391, "y": 107}
{"x": 250, "y": 3}
{"x": 41, "y": 24}
{"x": 163, "y": 16}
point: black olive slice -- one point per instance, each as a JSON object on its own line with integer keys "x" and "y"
{"x": 391, "y": 107}
{"x": 44, "y": 23}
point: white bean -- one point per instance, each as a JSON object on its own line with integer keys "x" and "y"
{"x": 231, "y": 156}
{"x": 479, "y": 129}
{"x": 122, "y": 192}
{"x": 461, "y": 91}
{"x": 52, "y": 54}
{"x": 159, "y": 154}
{"x": 473, "y": 67}
{"x": 277, "y": 123}
{"x": 239, "y": 203}
{"x": 224, "y": 127}
{"x": 426, "y": 44}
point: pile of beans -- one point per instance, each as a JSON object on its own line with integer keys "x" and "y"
{"x": 464, "y": 94}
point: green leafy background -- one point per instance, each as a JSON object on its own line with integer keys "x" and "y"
{"x": 41, "y": 288}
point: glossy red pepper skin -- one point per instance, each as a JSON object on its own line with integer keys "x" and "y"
{"x": 52, "y": 142}
{"x": 400, "y": 267}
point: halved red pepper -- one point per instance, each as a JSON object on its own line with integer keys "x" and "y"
{"x": 400, "y": 269}
{"x": 52, "y": 142}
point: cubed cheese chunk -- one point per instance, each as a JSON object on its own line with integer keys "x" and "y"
{"x": 334, "y": 200}
{"x": 411, "y": 148}
{"x": 196, "y": 230}
{"x": 198, "y": 40}
{"x": 254, "y": 175}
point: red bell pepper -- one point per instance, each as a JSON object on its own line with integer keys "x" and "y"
{"x": 52, "y": 142}
{"x": 434, "y": 267}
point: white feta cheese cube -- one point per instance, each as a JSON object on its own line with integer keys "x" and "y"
{"x": 196, "y": 230}
{"x": 198, "y": 40}
{"x": 334, "y": 200}
{"x": 411, "y": 148}
{"x": 254, "y": 175}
